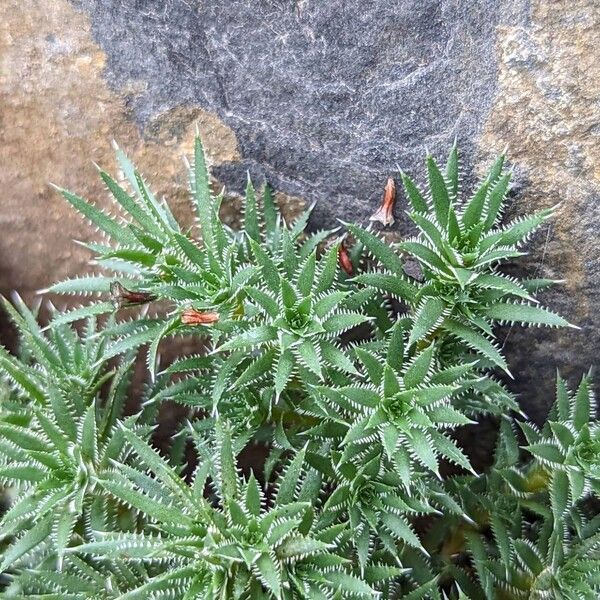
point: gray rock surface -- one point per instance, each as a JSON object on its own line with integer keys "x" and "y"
{"x": 325, "y": 98}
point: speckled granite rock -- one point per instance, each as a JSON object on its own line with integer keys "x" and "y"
{"x": 323, "y": 99}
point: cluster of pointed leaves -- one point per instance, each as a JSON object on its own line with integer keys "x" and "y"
{"x": 149, "y": 257}
{"x": 532, "y": 530}
{"x": 56, "y": 437}
{"x": 300, "y": 314}
{"x": 459, "y": 246}
{"x": 402, "y": 405}
{"x": 356, "y": 435}
{"x": 232, "y": 543}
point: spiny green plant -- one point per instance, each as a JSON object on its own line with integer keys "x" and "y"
{"x": 532, "y": 534}
{"x": 402, "y": 405}
{"x": 56, "y": 436}
{"x": 459, "y": 246}
{"x": 301, "y": 314}
{"x": 231, "y": 544}
{"x": 317, "y": 457}
{"x": 152, "y": 258}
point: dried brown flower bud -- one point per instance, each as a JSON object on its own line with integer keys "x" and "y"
{"x": 191, "y": 316}
{"x": 344, "y": 259}
{"x": 384, "y": 214}
{"x": 122, "y": 297}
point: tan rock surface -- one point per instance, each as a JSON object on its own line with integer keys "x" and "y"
{"x": 58, "y": 116}
{"x": 547, "y": 111}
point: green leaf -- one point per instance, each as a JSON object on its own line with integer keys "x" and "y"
{"x": 403, "y": 466}
{"x": 329, "y": 270}
{"x": 422, "y": 449}
{"x": 264, "y": 301}
{"x": 251, "y": 225}
{"x": 89, "y": 434}
{"x": 151, "y": 360}
{"x": 270, "y": 210}
{"x": 501, "y": 284}
{"x": 426, "y": 256}
{"x": 559, "y": 494}
{"x": 424, "y": 591}
{"x": 449, "y": 450}
{"x": 495, "y": 199}
{"x": 253, "y": 501}
{"x": 476, "y": 341}
{"x": 391, "y": 385}
{"x": 64, "y": 531}
{"x": 336, "y": 358}
{"x": 162, "y": 215}
{"x": 227, "y": 474}
{"x": 523, "y": 313}
{"x": 501, "y": 537}
{"x": 307, "y": 275}
{"x": 452, "y": 171}
{"x": 26, "y": 542}
{"x": 340, "y": 322}
{"x": 581, "y": 405}
{"x": 496, "y": 169}
{"x": 22, "y": 473}
{"x": 22, "y": 437}
{"x": 431, "y": 231}
{"x": 133, "y": 341}
{"x": 348, "y": 584}
{"x": 515, "y": 233}
{"x": 395, "y": 352}
{"x": 439, "y": 192}
{"x": 190, "y": 250}
{"x": 267, "y": 266}
{"x": 143, "y": 217}
{"x": 202, "y": 195}
{"x": 99, "y": 219}
{"x": 290, "y": 479}
{"x": 392, "y": 284}
{"x": 528, "y": 556}
{"x": 546, "y": 452}
{"x": 256, "y": 369}
{"x": 417, "y": 371}
{"x": 83, "y": 312}
{"x": 389, "y": 437}
{"x": 487, "y": 258}
{"x": 83, "y": 285}
{"x": 163, "y": 471}
{"x": 248, "y": 339}
{"x": 283, "y": 371}
{"x": 379, "y": 249}
{"x": 448, "y": 416}
{"x": 474, "y": 209}
{"x": 563, "y": 434}
{"x": 562, "y": 404}
{"x": 372, "y": 364}
{"x": 415, "y": 197}
{"x": 300, "y": 546}
{"x": 310, "y": 356}
{"x": 401, "y": 529}
{"x": 269, "y": 573}
{"x": 21, "y": 376}
{"x": 427, "y": 317}
{"x": 377, "y": 573}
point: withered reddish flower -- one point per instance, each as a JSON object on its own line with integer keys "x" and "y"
{"x": 122, "y": 297}
{"x": 191, "y": 316}
{"x": 384, "y": 213}
{"x": 344, "y": 259}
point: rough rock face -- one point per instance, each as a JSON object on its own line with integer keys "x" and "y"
{"x": 323, "y": 100}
